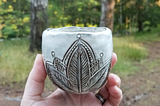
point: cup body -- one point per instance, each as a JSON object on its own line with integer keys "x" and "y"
{"x": 77, "y": 59}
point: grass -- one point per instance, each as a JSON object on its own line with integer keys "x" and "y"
{"x": 130, "y": 49}
{"x": 16, "y": 61}
{"x": 150, "y": 36}
{"x": 151, "y": 65}
{"x": 128, "y": 52}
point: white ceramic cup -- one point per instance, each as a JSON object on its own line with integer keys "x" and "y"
{"x": 77, "y": 59}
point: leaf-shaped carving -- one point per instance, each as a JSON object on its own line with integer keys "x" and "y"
{"x": 57, "y": 77}
{"x": 59, "y": 65}
{"x": 100, "y": 74}
{"x": 79, "y": 71}
{"x": 78, "y": 67}
{"x": 83, "y": 43}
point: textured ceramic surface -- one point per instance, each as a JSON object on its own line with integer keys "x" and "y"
{"x": 77, "y": 59}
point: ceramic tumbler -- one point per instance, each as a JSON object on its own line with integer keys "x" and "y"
{"x": 77, "y": 59}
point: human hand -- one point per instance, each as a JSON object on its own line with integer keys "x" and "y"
{"x": 35, "y": 86}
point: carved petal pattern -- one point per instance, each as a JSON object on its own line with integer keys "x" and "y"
{"x": 79, "y": 71}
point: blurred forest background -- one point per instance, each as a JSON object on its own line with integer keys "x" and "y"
{"x": 136, "y": 39}
{"x": 129, "y": 15}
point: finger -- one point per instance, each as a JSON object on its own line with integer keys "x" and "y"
{"x": 115, "y": 93}
{"x": 115, "y": 96}
{"x": 103, "y": 91}
{"x": 113, "y": 80}
{"x": 35, "y": 82}
{"x": 114, "y": 59}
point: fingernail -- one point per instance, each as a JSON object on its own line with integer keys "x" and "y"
{"x": 36, "y": 59}
{"x": 118, "y": 81}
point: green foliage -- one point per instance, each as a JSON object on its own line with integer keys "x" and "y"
{"x": 15, "y": 15}
{"x": 138, "y": 13}
{"x": 55, "y": 14}
{"x": 83, "y": 12}
{"x": 76, "y": 13}
{"x": 14, "y": 19}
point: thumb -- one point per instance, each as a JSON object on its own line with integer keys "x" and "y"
{"x": 36, "y": 79}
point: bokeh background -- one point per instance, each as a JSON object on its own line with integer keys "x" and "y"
{"x": 136, "y": 39}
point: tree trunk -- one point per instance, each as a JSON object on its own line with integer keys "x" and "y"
{"x": 140, "y": 20}
{"x": 139, "y": 15}
{"x": 140, "y": 25}
{"x": 120, "y": 18}
{"x": 38, "y": 23}
{"x": 107, "y": 13}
